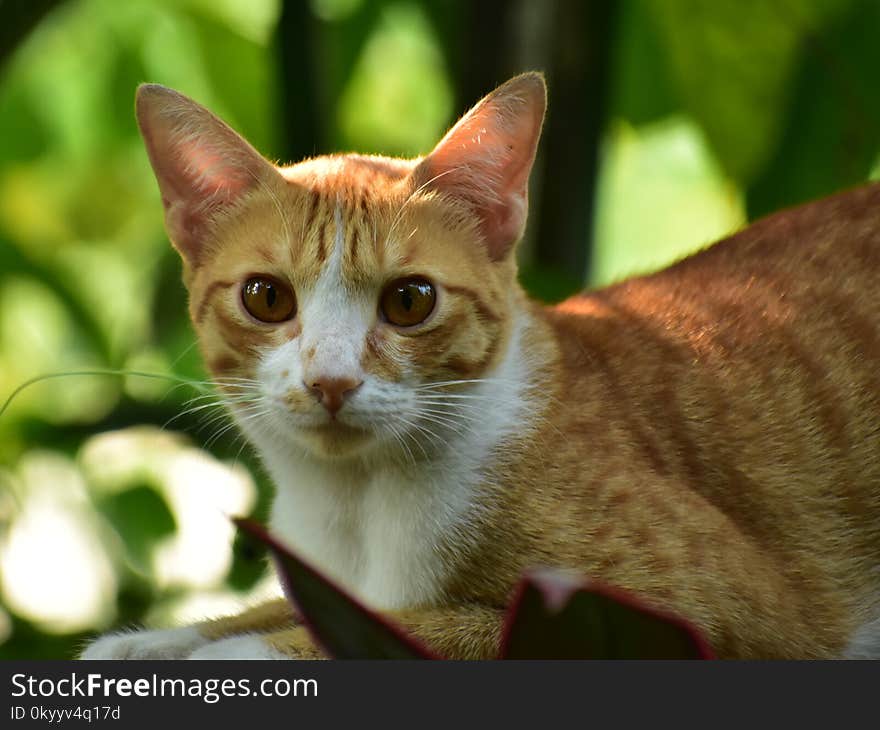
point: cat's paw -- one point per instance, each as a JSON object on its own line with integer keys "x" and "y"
{"x": 156, "y": 644}
{"x": 247, "y": 646}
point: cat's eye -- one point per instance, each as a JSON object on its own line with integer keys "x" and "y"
{"x": 268, "y": 300}
{"x": 408, "y": 302}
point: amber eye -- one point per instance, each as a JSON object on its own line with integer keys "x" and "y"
{"x": 268, "y": 300}
{"x": 407, "y": 302}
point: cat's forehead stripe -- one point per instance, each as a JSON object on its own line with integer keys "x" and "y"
{"x": 314, "y": 201}
{"x": 351, "y": 250}
{"x": 323, "y": 235}
{"x": 334, "y": 266}
{"x": 369, "y": 191}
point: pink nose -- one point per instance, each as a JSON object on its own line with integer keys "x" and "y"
{"x": 333, "y": 391}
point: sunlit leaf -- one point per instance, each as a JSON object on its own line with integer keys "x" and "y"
{"x": 13, "y": 262}
{"x": 402, "y": 113}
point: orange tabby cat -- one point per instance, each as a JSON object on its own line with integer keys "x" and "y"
{"x": 708, "y": 437}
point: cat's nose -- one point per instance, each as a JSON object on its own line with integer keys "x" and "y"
{"x": 332, "y": 391}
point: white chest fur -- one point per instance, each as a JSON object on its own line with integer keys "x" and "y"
{"x": 375, "y": 532}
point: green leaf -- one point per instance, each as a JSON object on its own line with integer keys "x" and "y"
{"x": 23, "y": 134}
{"x": 832, "y": 133}
{"x": 241, "y": 76}
{"x": 141, "y": 517}
{"x": 557, "y": 617}
{"x": 340, "y": 623}
{"x": 732, "y": 62}
{"x": 641, "y": 90}
{"x": 15, "y": 261}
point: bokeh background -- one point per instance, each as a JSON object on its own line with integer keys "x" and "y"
{"x": 671, "y": 123}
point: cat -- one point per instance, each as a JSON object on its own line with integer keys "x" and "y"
{"x": 707, "y": 436}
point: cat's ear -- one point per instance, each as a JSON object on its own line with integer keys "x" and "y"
{"x": 201, "y": 164}
{"x": 486, "y": 158}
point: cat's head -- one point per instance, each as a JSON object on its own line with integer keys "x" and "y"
{"x": 348, "y": 303}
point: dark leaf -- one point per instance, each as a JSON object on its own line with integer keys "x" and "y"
{"x": 342, "y": 625}
{"x": 732, "y": 63}
{"x": 641, "y": 90}
{"x": 142, "y": 518}
{"x": 831, "y": 137}
{"x": 19, "y": 18}
{"x": 558, "y": 617}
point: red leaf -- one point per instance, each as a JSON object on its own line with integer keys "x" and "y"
{"x": 555, "y": 616}
{"x": 341, "y": 624}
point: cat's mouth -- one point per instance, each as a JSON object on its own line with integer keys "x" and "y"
{"x": 324, "y": 434}
{"x": 334, "y": 437}
{"x": 335, "y": 428}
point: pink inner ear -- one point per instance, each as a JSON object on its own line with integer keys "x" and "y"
{"x": 201, "y": 164}
{"x": 486, "y": 159}
{"x": 214, "y": 179}
{"x": 197, "y": 181}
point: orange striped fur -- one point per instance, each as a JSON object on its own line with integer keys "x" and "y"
{"x": 707, "y": 436}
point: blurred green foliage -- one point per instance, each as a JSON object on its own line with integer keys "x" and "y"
{"x": 713, "y": 112}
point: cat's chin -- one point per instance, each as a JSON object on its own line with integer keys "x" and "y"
{"x": 335, "y": 440}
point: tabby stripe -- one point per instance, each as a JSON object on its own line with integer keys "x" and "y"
{"x": 810, "y": 302}
{"x": 842, "y": 312}
{"x": 311, "y": 211}
{"x": 224, "y": 363}
{"x": 821, "y": 396}
{"x": 664, "y": 406}
{"x": 321, "y": 256}
{"x": 821, "y": 392}
{"x": 862, "y": 331}
{"x": 598, "y": 489}
{"x": 678, "y": 320}
{"x": 372, "y": 347}
{"x": 212, "y": 289}
{"x": 619, "y": 397}
{"x": 265, "y": 253}
{"x": 867, "y": 253}
{"x": 235, "y": 334}
{"x": 351, "y": 259}
{"x": 485, "y": 311}
{"x": 474, "y": 367}
{"x": 375, "y": 361}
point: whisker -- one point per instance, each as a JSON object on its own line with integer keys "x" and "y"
{"x": 412, "y": 425}
{"x": 460, "y": 406}
{"x": 244, "y": 443}
{"x": 399, "y": 439}
{"x": 425, "y": 430}
{"x": 216, "y": 437}
{"x": 462, "y": 397}
{"x": 455, "y": 428}
{"x": 449, "y": 383}
{"x": 451, "y": 417}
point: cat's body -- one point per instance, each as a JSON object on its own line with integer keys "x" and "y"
{"x": 708, "y": 436}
